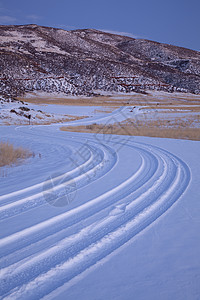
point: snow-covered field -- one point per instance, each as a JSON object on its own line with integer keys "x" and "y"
{"x": 17, "y": 112}
{"x": 94, "y": 216}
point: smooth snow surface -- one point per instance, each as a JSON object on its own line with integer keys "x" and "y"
{"x": 94, "y": 216}
{"x": 118, "y": 115}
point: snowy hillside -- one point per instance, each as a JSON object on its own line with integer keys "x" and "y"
{"x": 79, "y": 62}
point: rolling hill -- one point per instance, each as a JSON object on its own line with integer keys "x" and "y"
{"x": 89, "y": 62}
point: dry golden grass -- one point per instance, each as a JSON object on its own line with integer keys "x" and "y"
{"x": 179, "y": 128}
{"x": 151, "y": 129}
{"x": 92, "y": 101}
{"x": 174, "y": 109}
{"x": 58, "y": 120}
{"x": 118, "y": 100}
{"x": 10, "y": 155}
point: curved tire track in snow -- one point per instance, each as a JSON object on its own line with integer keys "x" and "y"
{"x": 138, "y": 202}
{"x": 53, "y": 225}
{"x": 100, "y": 161}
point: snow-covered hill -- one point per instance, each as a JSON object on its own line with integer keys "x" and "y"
{"x": 80, "y": 62}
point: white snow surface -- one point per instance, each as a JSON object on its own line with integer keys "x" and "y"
{"x": 96, "y": 114}
{"x": 94, "y": 216}
{"x": 70, "y": 109}
{"x": 38, "y": 43}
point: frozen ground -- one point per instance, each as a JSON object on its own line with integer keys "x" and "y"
{"x": 17, "y": 113}
{"x": 70, "y": 110}
{"x": 95, "y": 216}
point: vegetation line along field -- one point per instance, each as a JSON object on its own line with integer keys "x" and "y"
{"x": 139, "y": 130}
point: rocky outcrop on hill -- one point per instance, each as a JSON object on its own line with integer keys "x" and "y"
{"x": 88, "y": 62}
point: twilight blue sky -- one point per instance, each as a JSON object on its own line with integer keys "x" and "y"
{"x": 175, "y": 22}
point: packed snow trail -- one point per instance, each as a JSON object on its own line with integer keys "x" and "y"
{"x": 118, "y": 194}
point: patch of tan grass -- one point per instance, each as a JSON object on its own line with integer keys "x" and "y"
{"x": 57, "y": 120}
{"x": 88, "y": 101}
{"x": 10, "y": 155}
{"x": 117, "y": 100}
{"x": 150, "y": 129}
{"x": 174, "y": 109}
